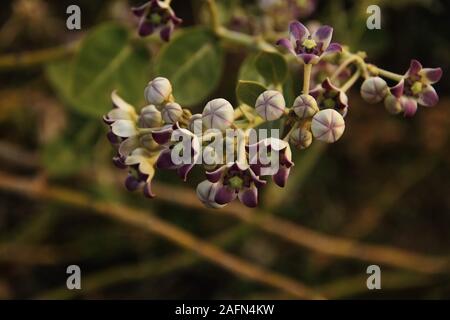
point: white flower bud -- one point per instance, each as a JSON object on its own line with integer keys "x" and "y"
{"x": 301, "y": 138}
{"x": 196, "y": 123}
{"x": 374, "y": 89}
{"x": 327, "y": 125}
{"x": 218, "y": 114}
{"x": 171, "y": 112}
{"x": 150, "y": 117}
{"x": 158, "y": 91}
{"x": 206, "y": 192}
{"x": 305, "y": 106}
{"x": 270, "y": 105}
{"x": 392, "y": 104}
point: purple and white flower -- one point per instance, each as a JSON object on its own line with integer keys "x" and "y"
{"x": 189, "y": 148}
{"x": 414, "y": 88}
{"x": 154, "y": 16}
{"x": 328, "y": 96}
{"x": 262, "y": 155}
{"x": 309, "y": 48}
{"x": 236, "y": 180}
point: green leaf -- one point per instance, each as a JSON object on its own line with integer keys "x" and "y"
{"x": 72, "y": 151}
{"x": 193, "y": 62}
{"x": 248, "y": 91}
{"x": 248, "y": 70}
{"x": 272, "y": 66}
{"x": 105, "y": 61}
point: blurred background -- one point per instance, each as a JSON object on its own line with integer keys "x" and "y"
{"x": 384, "y": 185}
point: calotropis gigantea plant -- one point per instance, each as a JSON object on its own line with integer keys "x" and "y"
{"x": 163, "y": 130}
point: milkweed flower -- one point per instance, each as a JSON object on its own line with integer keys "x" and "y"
{"x": 156, "y": 15}
{"x": 236, "y": 180}
{"x": 307, "y": 47}
{"x": 260, "y": 161}
{"x": 328, "y": 96}
{"x": 414, "y": 88}
{"x": 188, "y": 149}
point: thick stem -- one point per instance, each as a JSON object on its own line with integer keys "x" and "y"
{"x": 33, "y": 58}
{"x": 306, "y": 77}
{"x": 384, "y": 73}
{"x": 213, "y": 15}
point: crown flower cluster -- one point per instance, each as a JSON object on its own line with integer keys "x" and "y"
{"x": 227, "y": 144}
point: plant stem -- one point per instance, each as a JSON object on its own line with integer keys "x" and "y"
{"x": 286, "y": 138}
{"x": 244, "y": 40}
{"x": 214, "y": 15}
{"x": 390, "y": 75}
{"x": 32, "y": 58}
{"x": 147, "y": 221}
{"x": 306, "y": 77}
{"x": 350, "y": 82}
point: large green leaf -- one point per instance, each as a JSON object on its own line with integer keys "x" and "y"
{"x": 248, "y": 70}
{"x": 248, "y": 91}
{"x": 272, "y": 66}
{"x": 105, "y": 61}
{"x": 193, "y": 62}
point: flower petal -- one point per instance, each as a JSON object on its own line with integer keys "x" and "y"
{"x": 148, "y": 190}
{"x": 184, "y": 170}
{"x": 409, "y": 106}
{"x": 332, "y": 48}
{"x": 323, "y": 35}
{"x": 397, "y": 90}
{"x": 249, "y": 196}
{"x": 140, "y": 11}
{"x": 118, "y": 102}
{"x": 428, "y": 97}
{"x": 286, "y": 44}
{"x": 165, "y": 160}
{"x": 431, "y": 75}
{"x": 119, "y": 162}
{"x": 128, "y": 145}
{"x": 124, "y": 128}
{"x": 414, "y": 68}
{"x": 162, "y": 136}
{"x": 131, "y": 183}
{"x": 308, "y": 58}
{"x": 166, "y": 32}
{"x": 224, "y": 195}
{"x": 280, "y": 178}
{"x": 214, "y": 176}
{"x": 297, "y": 31}
{"x": 145, "y": 28}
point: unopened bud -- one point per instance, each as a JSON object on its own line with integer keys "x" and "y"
{"x": 327, "y": 125}
{"x": 150, "y": 117}
{"x": 206, "y": 192}
{"x": 158, "y": 91}
{"x": 305, "y": 106}
{"x": 374, "y": 89}
{"x": 270, "y": 105}
{"x": 218, "y": 114}
{"x": 301, "y": 138}
{"x": 195, "y": 123}
{"x": 392, "y": 104}
{"x": 171, "y": 112}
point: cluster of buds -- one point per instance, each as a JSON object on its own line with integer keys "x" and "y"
{"x": 164, "y": 135}
{"x": 156, "y": 16}
{"x": 131, "y": 133}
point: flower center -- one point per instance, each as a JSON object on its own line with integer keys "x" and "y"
{"x": 236, "y": 182}
{"x": 309, "y": 44}
{"x": 155, "y": 19}
{"x": 416, "y": 88}
{"x": 329, "y": 103}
